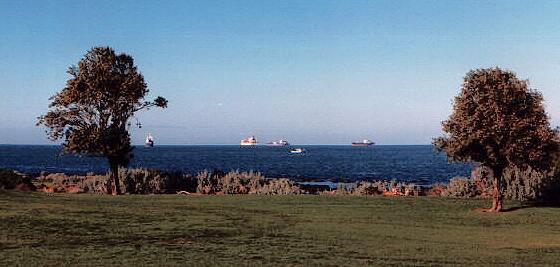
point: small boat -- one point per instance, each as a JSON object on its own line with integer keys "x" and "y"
{"x": 297, "y": 150}
{"x": 149, "y": 141}
{"x": 280, "y": 142}
{"x": 250, "y": 141}
{"x": 363, "y": 143}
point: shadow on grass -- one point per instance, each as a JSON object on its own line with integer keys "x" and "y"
{"x": 531, "y": 205}
{"x": 516, "y": 208}
{"x": 512, "y": 209}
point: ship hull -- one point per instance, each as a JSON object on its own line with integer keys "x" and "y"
{"x": 251, "y": 141}
{"x": 277, "y": 144}
{"x": 361, "y": 145}
{"x": 248, "y": 144}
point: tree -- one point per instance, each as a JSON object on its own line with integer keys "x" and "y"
{"x": 499, "y": 122}
{"x": 93, "y": 111}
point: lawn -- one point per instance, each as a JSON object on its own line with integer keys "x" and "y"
{"x": 38, "y": 229}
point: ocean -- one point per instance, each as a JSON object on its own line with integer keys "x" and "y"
{"x": 410, "y": 163}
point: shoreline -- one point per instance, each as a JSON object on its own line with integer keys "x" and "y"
{"x": 423, "y": 182}
{"x": 154, "y": 181}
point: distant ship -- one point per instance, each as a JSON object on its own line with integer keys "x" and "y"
{"x": 280, "y": 142}
{"x": 297, "y": 150}
{"x": 363, "y": 143}
{"x": 250, "y": 141}
{"x": 149, "y": 141}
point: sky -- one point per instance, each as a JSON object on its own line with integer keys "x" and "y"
{"x": 311, "y": 72}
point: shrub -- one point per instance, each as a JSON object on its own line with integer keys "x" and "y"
{"x": 461, "y": 187}
{"x": 519, "y": 184}
{"x": 437, "y": 189}
{"x": 236, "y": 182}
{"x": 153, "y": 181}
{"x": 60, "y": 182}
{"x": 522, "y": 184}
{"x": 280, "y": 186}
{"x": 209, "y": 183}
{"x": 142, "y": 181}
{"x": 367, "y": 188}
{"x": 549, "y": 191}
{"x": 483, "y": 181}
{"x": 344, "y": 189}
{"x": 10, "y": 179}
{"x": 133, "y": 181}
{"x": 412, "y": 190}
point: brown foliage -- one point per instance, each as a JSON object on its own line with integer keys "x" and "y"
{"x": 93, "y": 110}
{"x": 499, "y": 122}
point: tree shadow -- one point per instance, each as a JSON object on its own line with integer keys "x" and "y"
{"x": 519, "y": 207}
{"x": 531, "y": 205}
{"x": 512, "y": 209}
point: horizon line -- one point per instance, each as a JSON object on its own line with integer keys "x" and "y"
{"x": 227, "y": 144}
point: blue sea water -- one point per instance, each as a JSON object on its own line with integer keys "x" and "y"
{"x": 419, "y": 163}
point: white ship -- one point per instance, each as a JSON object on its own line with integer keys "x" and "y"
{"x": 280, "y": 142}
{"x": 297, "y": 150}
{"x": 250, "y": 141}
{"x": 364, "y": 142}
{"x": 149, "y": 140}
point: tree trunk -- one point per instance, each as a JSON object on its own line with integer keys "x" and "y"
{"x": 115, "y": 188}
{"x": 497, "y": 197}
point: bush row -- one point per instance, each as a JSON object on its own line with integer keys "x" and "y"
{"x": 236, "y": 182}
{"x": 520, "y": 184}
{"x": 366, "y": 188}
{"x": 152, "y": 181}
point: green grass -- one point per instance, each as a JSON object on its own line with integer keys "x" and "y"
{"x": 37, "y": 229}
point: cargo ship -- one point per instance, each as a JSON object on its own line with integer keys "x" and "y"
{"x": 250, "y": 141}
{"x": 280, "y": 142}
{"x": 363, "y": 143}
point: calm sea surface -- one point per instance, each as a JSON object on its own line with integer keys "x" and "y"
{"x": 419, "y": 164}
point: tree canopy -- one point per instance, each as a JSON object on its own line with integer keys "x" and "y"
{"x": 500, "y": 122}
{"x": 92, "y": 112}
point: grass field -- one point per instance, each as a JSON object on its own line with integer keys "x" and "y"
{"x": 37, "y": 229}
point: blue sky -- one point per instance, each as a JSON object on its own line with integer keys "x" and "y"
{"x": 312, "y": 72}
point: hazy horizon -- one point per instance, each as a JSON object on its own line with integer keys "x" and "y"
{"x": 310, "y": 72}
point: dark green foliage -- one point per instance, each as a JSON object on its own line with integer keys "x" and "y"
{"x": 92, "y": 113}
{"x": 549, "y": 191}
{"x": 152, "y": 181}
{"x": 9, "y": 179}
